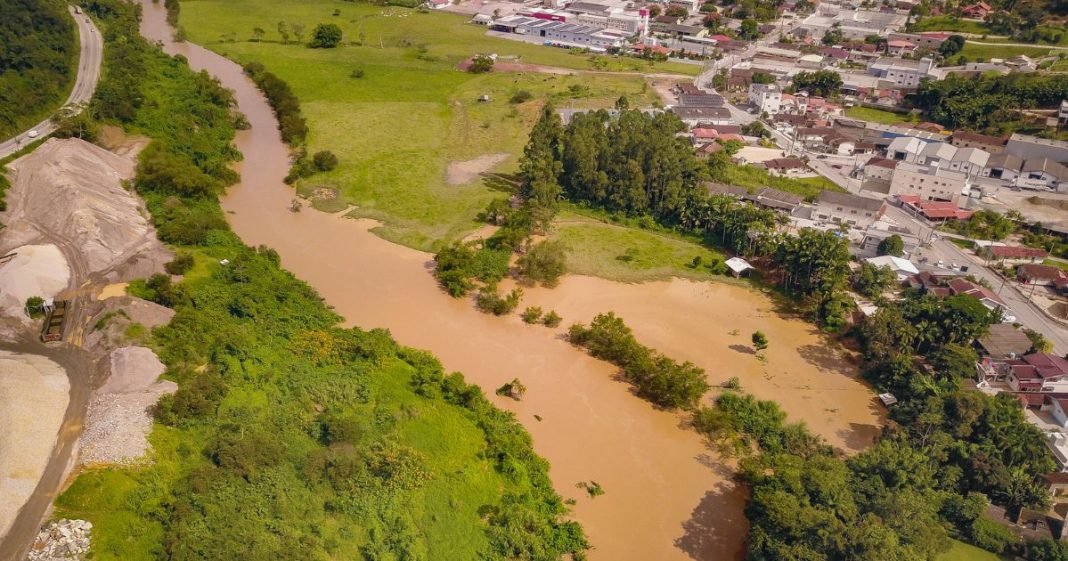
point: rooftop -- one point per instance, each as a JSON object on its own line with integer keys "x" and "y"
{"x": 849, "y": 200}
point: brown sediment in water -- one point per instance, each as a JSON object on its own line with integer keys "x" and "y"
{"x": 666, "y": 496}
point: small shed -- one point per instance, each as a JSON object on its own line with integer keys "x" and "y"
{"x": 888, "y": 399}
{"x": 738, "y": 266}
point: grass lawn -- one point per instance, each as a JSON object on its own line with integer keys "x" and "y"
{"x": 1055, "y": 263}
{"x": 755, "y": 178}
{"x": 986, "y": 52}
{"x": 880, "y": 116}
{"x": 961, "y": 551}
{"x": 628, "y": 254}
{"x": 396, "y": 129}
{"x": 949, "y": 23}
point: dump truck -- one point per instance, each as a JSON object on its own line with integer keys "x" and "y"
{"x": 54, "y": 322}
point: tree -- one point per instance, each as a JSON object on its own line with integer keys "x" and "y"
{"x": 872, "y": 281}
{"x": 324, "y": 160}
{"x": 258, "y": 33}
{"x": 35, "y": 306}
{"x": 298, "y": 31}
{"x": 481, "y": 64}
{"x": 545, "y": 262}
{"x": 181, "y": 264}
{"x": 756, "y": 128}
{"x": 1039, "y": 342}
{"x": 760, "y": 341}
{"x": 821, "y": 82}
{"x": 541, "y": 165}
{"x": 891, "y": 245}
{"x": 749, "y": 30}
{"x": 833, "y": 35}
{"x": 325, "y": 36}
{"x": 951, "y": 46}
{"x": 676, "y": 12}
{"x": 283, "y": 30}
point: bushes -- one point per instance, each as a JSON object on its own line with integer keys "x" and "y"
{"x": 181, "y": 264}
{"x": 480, "y": 64}
{"x": 521, "y": 96}
{"x": 655, "y": 377}
{"x": 35, "y": 307}
{"x": 545, "y": 262}
{"x": 324, "y": 160}
{"x": 285, "y": 104}
{"x": 325, "y": 36}
{"x": 489, "y": 301}
{"x": 459, "y": 265}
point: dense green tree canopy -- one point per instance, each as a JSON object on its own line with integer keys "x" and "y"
{"x": 38, "y": 56}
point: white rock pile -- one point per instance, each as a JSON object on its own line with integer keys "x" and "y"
{"x": 63, "y": 540}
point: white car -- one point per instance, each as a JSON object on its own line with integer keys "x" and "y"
{"x": 1008, "y": 318}
{"x": 32, "y": 134}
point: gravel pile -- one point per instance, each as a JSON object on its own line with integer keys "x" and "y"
{"x": 63, "y": 540}
{"x": 118, "y": 420}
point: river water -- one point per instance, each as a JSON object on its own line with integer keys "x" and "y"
{"x": 667, "y": 497}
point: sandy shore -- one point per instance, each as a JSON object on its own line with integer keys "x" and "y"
{"x": 33, "y": 399}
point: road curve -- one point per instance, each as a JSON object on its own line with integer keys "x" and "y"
{"x": 90, "y": 57}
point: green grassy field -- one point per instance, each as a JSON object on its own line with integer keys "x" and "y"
{"x": 413, "y": 112}
{"x": 961, "y": 551}
{"x": 1056, "y": 263}
{"x": 949, "y": 23}
{"x": 879, "y": 116}
{"x": 975, "y": 52}
{"x": 628, "y": 254}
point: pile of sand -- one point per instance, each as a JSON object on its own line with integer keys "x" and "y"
{"x": 71, "y": 191}
{"x": 118, "y": 420}
{"x": 36, "y": 270}
{"x": 33, "y": 399}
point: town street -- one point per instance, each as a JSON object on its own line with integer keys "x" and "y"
{"x": 89, "y": 60}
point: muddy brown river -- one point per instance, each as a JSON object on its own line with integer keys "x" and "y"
{"x": 667, "y": 497}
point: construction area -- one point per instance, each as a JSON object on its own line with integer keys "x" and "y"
{"x": 75, "y": 388}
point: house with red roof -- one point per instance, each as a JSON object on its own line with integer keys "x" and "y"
{"x": 1040, "y": 275}
{"x": 1014, "y": 254}
{"x": 977, "y": 11}
{"x": 1036, "y": 372}
{"x": 984, "y": 295}
{"x": 934, "y": 211}
{"x": 900, "y": 47}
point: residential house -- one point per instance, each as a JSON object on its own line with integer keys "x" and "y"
{"x": 984, "y": 295}
{"x": 903, "y": 268}
{"x": 1036, "y": 372}
{"x": 1013, "y": 254}
{"x": 977, "y": 11}
{"x": 1041, "y": 275}
{"x": 1005, "y": 340}
{"x": 725, "y": 189}
{"x": 1056, "y": 484}
{"x": 874, "y": 235}
{"x": 966, "y": 139}
{"x": 1057, "y": 407}
{"x": 786, "y": 166}
{"x": 775, "y": 199}
{"x": 852, "y": 210}
{"x": 900, "y": 47}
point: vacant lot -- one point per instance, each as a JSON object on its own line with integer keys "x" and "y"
{"x": 879, "y": 116}
{"x": 410, "y": 112}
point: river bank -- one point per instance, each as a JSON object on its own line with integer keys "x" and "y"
{"x": 666, "y": 495}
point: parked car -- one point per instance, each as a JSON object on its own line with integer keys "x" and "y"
{"x": 32, "y": 134}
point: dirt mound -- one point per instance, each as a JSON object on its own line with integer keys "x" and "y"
{"x": 123, "y": 320}
{"x": 459, "y": 173}
{"x": 35, "y": 270}
{"x": 118, "y": 421}
{"x": 72, "y": 192}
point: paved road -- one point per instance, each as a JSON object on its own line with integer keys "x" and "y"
{"x": 89, "y": 60}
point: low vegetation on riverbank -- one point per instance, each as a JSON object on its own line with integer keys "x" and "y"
{"x": 342, "y": 443}
{"x": 38, "y": 61}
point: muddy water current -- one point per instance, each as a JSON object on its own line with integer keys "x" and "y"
{"x": 667, "y": 496}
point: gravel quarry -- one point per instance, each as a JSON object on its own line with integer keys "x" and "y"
{"x": 35, "y": 270}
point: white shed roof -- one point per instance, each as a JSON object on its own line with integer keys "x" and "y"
{"x": 737, "y": 264}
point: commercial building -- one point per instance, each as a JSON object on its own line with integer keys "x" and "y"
{"x": 767, "y": 98}
{"x": 562, "y": 33}
{"x": 902, "y": 73}
{"x": 932, "y": 184}
{"x": 851, "y": 210}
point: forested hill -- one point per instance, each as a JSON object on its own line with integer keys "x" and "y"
{"x": 38, "y": 57}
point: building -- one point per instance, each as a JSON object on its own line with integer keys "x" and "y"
{"x": 991, "y": 144}
{"x": 1036, "y": 372}
{"x": 710, "y": 115}
{"x": 1028, "y": 147}
{"x": 562, "y": 33}
{"x": 786, "y": 166}
{"x": 931, "y": 184}
{"x": 767, "y": 98}
{"x": 1005, "y": 340}
{"x": 903, "y": 268}
{"x": 1003, "y": 166}
{"x": 902, "y": 73}
{"x": 1013, "y": 254}
{"x": 854, "y": 23}
{"x": 701, "y": 99}
{"x": 776, "y": 200}
{"x": 1043, "y": 173}
{"x": 933, "y": 211}
{"x": 851, "y": 210}
{"x": 977, "y": 11}
{"x": 900, "y": 47}
{"x": 873, "y": 236}
{"x": 970, "y": 161}
{"x": 1041, "y": 275}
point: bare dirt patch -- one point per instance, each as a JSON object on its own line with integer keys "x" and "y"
{"x": 461, "y": 173}
{"x": 35, "y": 270}
{"x": 116, "y": 140}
